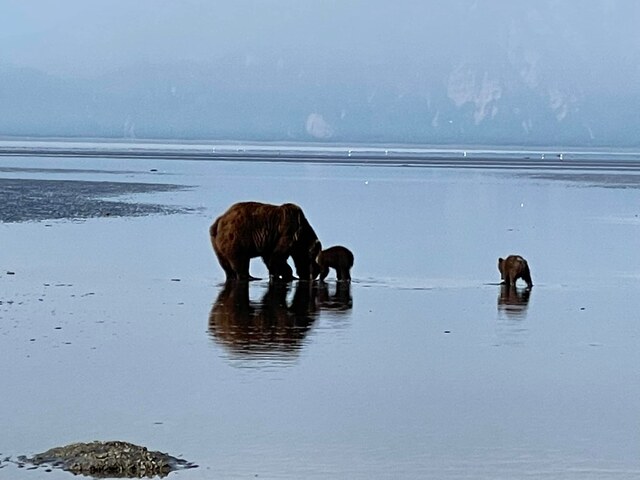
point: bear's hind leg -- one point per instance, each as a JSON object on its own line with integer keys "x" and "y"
{"x": 241, "y": 268}
{"x": 226, "y": 266}
{"x": 344, "y": 274}
{"x": 230, "y": 273}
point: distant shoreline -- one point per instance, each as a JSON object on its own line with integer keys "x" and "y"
{"x": 443, "y": 157}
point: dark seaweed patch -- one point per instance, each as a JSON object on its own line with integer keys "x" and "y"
{"x": 108, "y": 460}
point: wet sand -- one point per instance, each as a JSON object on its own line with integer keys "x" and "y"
{"x": 342, "y": 154}
{"x": 120, "y": 328}
{"x": 38, "y": 200}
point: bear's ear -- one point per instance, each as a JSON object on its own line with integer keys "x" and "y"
{"x": 500, "y": 262}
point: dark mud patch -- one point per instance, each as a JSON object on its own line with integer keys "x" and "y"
{"x": 25, "y": 200}
{"x": 68, "y": 170}
{"x": 108, "y": 460}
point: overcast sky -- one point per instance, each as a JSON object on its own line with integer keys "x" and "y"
{"x": 86, "y": 37}
{"x": 337, "y": 61}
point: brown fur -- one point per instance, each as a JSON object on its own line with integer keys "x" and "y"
{"x": 512, "y": 268}
{"x": 339, "y": 258}
{"x": 274, "y": 232}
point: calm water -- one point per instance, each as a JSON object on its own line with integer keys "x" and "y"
{"x": 118, "y": 328}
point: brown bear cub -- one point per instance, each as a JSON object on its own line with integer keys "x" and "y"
{"x": 339, "y": 258}
{"x": 512, "y": 268}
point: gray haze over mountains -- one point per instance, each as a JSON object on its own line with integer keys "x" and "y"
{"x": 463, "y": 72}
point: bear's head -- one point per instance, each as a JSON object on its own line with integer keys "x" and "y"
{"x": 305, "y": 245}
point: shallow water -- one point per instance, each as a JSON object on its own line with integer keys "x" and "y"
{"x": 116, "y": 328}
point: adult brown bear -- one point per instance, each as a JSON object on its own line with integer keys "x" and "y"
{"x": 512, "y": 268}
{"x": 273, "y": 232}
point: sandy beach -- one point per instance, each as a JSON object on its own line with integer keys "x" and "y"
{"x": 115, "y": 323}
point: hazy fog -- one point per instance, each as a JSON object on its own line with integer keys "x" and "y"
{"x": 462, "y": 71}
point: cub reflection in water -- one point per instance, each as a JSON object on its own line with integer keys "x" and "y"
{"x": 513, "y": 301}
{"x": 272, "y": 325}
{"x": 340, "y": 301}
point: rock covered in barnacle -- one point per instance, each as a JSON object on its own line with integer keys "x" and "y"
{"x": 109, "y": 459}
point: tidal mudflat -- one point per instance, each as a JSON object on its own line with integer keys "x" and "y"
{"x": 119, "y": 327}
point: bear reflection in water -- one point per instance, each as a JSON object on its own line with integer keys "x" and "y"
{"x": 513, "y": 301}
{"x": 340, "y": 301}
{"x": 273, "y": 325}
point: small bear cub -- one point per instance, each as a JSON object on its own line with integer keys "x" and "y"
{"x": 512, "y": 268}
{"x": 337, "y": 257}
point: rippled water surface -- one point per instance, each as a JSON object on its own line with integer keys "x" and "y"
{"x": 120, "y": 327}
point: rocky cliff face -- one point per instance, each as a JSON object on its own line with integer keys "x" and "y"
{"x": 494, "y": 72}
